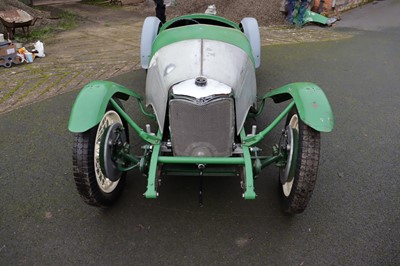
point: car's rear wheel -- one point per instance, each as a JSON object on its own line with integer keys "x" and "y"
{"x": 301, "y": 143}
{"x": 96, "y": 175}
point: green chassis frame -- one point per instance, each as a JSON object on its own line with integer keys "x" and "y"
{"x": 246, "y": 160}
{"x": 90, "y": 106}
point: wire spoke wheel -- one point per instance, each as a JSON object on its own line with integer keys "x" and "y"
{"x": 105, "y": 184}
{"x": 301, "y": 144}
{"x": 90, "y": 161}
{"x": 290, "y": 143}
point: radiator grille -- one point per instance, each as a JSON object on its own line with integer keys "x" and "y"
{"x": 202, "y": 128}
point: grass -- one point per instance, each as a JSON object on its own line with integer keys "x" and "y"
{"x": 67, "y": 21}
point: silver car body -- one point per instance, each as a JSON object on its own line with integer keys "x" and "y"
{"x": 223, "y": 64}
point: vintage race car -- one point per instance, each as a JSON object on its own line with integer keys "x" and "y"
{"x": 201, "y": 88}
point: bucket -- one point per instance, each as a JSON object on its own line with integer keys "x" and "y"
{"x": 29, "y": 57}
{"x": 1, "y": 37}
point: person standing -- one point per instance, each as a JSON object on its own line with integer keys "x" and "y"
{"x": 160, "y": 10}
{"x": 296, "y": 8}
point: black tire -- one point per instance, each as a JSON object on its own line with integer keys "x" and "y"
{"x": 299, "y": 186}
{"x": 84, "y": 169}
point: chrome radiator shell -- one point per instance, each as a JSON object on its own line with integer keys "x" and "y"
{"x": 202, "y": 127}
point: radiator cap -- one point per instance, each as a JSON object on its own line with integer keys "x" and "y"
{"x": 201, "y": 81}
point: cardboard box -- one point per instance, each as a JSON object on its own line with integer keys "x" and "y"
{"x": 7, "y": 50}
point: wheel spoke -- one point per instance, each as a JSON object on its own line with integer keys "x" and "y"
{"x": 287, "y": 174}
{"x": 109, "y": 118}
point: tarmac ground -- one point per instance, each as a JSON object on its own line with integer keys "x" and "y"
{"x": 352, "y": 219}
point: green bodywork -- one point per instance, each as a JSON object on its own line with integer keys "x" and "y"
{"x": 200, "y": 31}
{"x": 311, "y": 102}
{"x": 200, "y": 17}
{"x": 92, "y": 101}
{"x": 91, "y": 104}
{"x": 310, "y": 16}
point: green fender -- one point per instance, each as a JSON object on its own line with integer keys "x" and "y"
{"x": 91, "y": 103}
{"x": 311, "y": 103}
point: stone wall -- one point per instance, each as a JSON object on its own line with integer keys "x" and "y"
{"x": 341, "y": 5}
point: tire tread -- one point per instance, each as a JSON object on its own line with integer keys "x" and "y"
{"x": 306, "y": 169}
{"x": 84, "y": 170}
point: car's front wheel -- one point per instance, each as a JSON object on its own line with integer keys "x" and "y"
{"x": 96, "y": 175}
{"x": 301, "y": 143}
